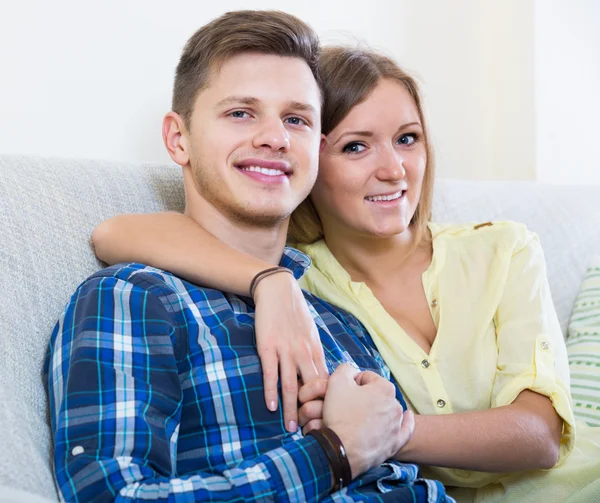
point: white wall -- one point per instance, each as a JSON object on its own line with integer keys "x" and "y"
{"x": 567, "y": 90}
{"x": 476, "y": 61}
{"x": 94, "y": 80}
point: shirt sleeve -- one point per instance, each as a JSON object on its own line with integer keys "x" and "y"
{"x": 531, "y": 348}
{"x": 116, "y": 401}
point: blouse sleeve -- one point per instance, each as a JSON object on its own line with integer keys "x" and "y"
{"x": 531, "y": 348}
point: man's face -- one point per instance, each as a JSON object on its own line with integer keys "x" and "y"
{"x": 254, "y": 135}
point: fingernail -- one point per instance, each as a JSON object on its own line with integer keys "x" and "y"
{"x": 292, "y": 426}
{"x": 272, "y": 406}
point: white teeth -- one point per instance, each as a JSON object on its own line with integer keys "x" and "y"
{"x": 389, "y": 197}
{"x": 264, "y": 171}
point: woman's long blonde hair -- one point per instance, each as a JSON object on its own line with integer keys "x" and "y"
{"x": 348, "y": 76}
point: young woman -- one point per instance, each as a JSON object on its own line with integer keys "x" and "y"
{"x": 462, "y": 314}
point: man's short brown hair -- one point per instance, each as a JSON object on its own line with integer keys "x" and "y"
{"x": 266, "y": 32}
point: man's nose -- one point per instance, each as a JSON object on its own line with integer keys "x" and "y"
{"x": 272, "y": 134}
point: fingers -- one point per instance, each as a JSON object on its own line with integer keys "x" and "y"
{"x": 306, "y": 368}
{"x": 407, "y": 428}
{"x": 315, "y": 424}
{"x": 289, "y": 390}
{"x": 310, "y": 411}
{"x": 318, "y": 356}
{"x": 268, "y": 360}
{"x": 366, "y": 377}
{"x": 345, "y": 371}
{"x": 313, "y": 390}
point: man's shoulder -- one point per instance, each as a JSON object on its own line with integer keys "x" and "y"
{"x": 145, "y": 277}
{"x": 136, "y": 282}
{"x": 135, "y": 273}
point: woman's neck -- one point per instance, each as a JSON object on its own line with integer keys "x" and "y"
{"x": 370, "y": 259}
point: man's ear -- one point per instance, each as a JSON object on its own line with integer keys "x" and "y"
{"x": 323, "y": 143}
{"x": 175, "y": 138}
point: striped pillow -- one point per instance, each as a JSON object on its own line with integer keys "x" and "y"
{"x": 583, "y": 347}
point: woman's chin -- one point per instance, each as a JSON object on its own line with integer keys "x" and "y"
{"x": 388, "y": 232}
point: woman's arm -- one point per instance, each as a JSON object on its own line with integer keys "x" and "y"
{"x": 287, "y": 338}
{"x": 176, "y": 243}
{"x": 524, "y": 435}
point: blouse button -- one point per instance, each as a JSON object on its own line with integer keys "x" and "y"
{"x": 425, "y": 364}
{"x": 434, "y": 303}
{"x": 441, "y": 403}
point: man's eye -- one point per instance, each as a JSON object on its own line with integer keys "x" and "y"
{"x": 296, "y": 121}
{"x": 353, "y": 148}
{"x": 239, "y": 114}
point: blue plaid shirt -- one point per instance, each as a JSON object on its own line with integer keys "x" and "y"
{"x": 156, "y": 393}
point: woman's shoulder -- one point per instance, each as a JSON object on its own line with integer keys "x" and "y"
{"x": 502, "y": 234}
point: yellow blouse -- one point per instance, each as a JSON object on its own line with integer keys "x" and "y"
{"x": 497, "y": 335}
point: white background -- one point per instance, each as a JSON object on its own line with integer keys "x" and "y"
{"x": 512, "y": 87}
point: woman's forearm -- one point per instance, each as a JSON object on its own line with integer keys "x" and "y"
{"x": 174, "y": 242}
{"x": 522, "y": 436}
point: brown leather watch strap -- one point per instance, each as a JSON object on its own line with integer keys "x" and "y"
{"x": 336, "y": 455}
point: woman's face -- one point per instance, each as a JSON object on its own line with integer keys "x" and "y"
{"x": 372, "y": 165}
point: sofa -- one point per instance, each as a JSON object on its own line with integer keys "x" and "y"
{"x": 49, "y": 207}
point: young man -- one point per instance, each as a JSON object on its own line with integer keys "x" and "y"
{"x": 155, "y": 384}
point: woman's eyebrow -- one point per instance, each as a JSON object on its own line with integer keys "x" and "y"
{"x": 354, "y": 133}
{"x": 409, "y": 124}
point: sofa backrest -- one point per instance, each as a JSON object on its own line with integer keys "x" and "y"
{"x": 48, "y": 208}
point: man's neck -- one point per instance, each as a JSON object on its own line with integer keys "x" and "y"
{"x": 265, "y": 243}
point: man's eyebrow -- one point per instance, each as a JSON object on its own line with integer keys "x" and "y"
{"x": 369, "y": 134}
{"x": 239, "y": 100}
{"x": 303, "y": 107}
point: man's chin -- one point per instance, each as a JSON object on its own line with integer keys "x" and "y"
{"x": 261, "y": 217}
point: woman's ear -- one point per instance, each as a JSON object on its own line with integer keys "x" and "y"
{"x": 175, "y": 138}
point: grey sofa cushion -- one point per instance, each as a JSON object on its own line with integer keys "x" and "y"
{"x": 48, "y": 208}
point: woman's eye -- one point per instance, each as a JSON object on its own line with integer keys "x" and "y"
{"x": 354, "y": 148}
{"x": 239, "y": 114}
{"x": 296, "y": 121}
{"x": 407, "y": 139}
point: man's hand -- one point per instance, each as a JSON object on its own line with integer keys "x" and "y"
{"x": 311, "y": 397}
{"x": 287, "y": 341}
{"x": 361, "y": 407}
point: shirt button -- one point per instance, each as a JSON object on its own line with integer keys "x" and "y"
{"x": 441, "y": 403}
{"x": 77, "y": 450}
{"x": 434, "y": 303}
{"x": 425, "y": 364}
{"x": 545, "y": 345}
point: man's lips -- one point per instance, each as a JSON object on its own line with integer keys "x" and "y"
{"x": 267, "y": 167}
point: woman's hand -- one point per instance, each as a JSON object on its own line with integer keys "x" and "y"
{"x": 288, "y": 342}
{"x": 311, "y": 396}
